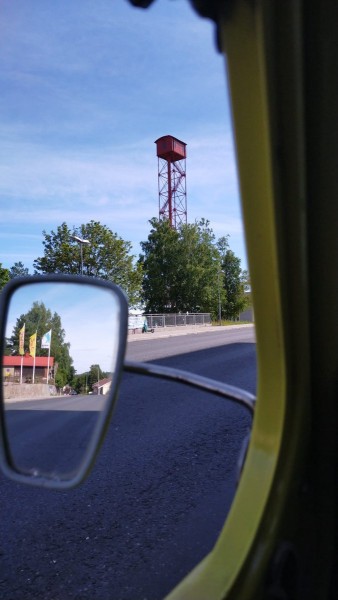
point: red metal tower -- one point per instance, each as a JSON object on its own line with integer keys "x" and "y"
{"x": 171, "y": 154}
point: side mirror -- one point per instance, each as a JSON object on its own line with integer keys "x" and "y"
{"x": 52, "y": 327}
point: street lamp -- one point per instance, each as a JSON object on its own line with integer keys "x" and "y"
{"x": 80, "y": 241}
{"x": 219, "y": 298}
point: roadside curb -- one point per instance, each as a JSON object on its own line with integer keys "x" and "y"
{"x": 164, "y": 332}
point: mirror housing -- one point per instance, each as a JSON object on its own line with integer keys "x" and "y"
{"x": 93, "y": 318}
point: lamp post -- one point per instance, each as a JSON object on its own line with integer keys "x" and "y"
{"x": 80, "y": 241}
{"x": 219, "y": 298}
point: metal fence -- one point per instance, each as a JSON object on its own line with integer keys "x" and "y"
{"x": 176, "y": 320}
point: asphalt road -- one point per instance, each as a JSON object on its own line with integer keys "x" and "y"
{"x": 50, "y": 436}
{"x": 158, "y": 495}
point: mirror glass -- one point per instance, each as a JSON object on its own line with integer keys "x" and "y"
{"x": 61, "y": 354}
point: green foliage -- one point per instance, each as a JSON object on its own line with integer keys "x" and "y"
{"x": 225, "y": 323}
{"x": 107, "y": 256}
{"x": 40, "y": 319}
{"x": 198, "y": 277}
{"x": 233, "y": 281}
{"x": 84, "y": 382}
{"x": 180, "y": 268}
{"x": 95, "y": 374}
{"x": 186, "y": 270}
{"x": 245, "y": 278}
{"x": 160, "y": 267}
{"x": 4, "y": 276}
{"x": 18, "y": 270}
{"x": 80, "y": 383}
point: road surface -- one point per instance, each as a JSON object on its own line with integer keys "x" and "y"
{"x": 157, "y": 497}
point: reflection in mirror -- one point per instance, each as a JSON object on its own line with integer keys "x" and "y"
{"x": 61, "y": 355}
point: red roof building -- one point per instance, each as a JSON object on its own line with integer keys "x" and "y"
{"x": 11, "y": 366}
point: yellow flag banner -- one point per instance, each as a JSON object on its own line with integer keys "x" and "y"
{"x": 22, "y": 340}
{"x": 32, "y": 344}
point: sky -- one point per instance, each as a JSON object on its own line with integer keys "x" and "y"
{"x": 85, "y": 90}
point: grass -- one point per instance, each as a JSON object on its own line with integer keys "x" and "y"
{"x": 225, "y": 323}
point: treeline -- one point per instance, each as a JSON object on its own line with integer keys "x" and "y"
{"x": 184, "y": 270}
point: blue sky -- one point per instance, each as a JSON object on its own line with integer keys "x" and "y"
{"x": 86, "y": 89}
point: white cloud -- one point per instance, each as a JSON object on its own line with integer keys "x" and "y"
{"x": 86, "y": 94}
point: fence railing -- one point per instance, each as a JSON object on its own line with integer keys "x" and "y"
{"x": 176, "y": 320}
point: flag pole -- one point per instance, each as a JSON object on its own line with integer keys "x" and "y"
{"x": 22, "y": 348}
{"x": 48, "y": 365}
{"x": 36, "y": 333}
{"x": 46, "y": 342}
{"x": 34, "y": 362}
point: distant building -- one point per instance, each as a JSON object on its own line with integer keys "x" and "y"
{"x": 11, "y": 368}
{"x": 102, "y": 387}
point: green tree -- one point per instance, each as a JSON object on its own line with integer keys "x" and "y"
{"x": 95, "y": 374}
{"x": 40, "y": 319}
{"x": 84, "y": 382}
{"x": 107, "y": 256}
{"x": 245, "y": 277}
{"x": 18, "y": 270}
{"x": 159, "y": 263}
{"x": 4, "y": 276}
{"x": 80, "y": 383}
{"x": 233, "y": 281}
{"x": 198, "y": 276}
{"x": 180, "y": 268}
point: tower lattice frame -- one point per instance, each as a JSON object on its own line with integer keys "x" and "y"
{"x": 172, "y": 193}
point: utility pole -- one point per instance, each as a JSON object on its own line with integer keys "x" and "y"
{"x": 80, "y": 241}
